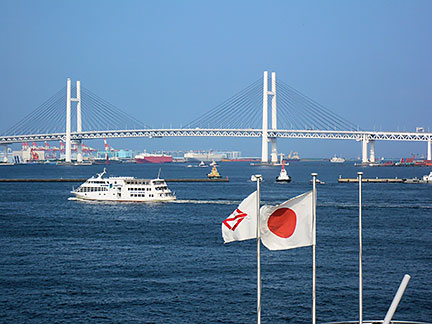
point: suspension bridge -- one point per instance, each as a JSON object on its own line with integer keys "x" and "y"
{"x": 245, "y": 114}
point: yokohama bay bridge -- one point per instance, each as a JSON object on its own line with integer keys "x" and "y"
{"x": 246, "y": 114}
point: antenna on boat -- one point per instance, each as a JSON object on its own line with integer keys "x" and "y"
{"x": 159, "y": 173}
{"x": 101, "y": 174}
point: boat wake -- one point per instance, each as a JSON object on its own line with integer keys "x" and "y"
{"x": 220, "y": 202}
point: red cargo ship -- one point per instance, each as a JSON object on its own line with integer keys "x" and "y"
{"x": 153, "y": 158}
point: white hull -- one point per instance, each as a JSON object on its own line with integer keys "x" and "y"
{"x": 206, "y": 157}
{"x": 336, "y": 159}
{"x": 283, "y": 176}
{"x": 114, "y": 199}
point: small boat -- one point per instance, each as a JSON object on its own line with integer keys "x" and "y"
{"x": 318, "y": 181}
{"x": 83, "y": 163}
{"x": 107, "y": 160}
{"x": 283, "y": 176}
{"x": 202, "y": 164}
{"x": 214, "y": 174}
{"x": 7, "y": 163}
{"x": 123, "y": 189}
{"x": 293, "y": 157}
{"x": 427, "y": 178}
{"x": 336, "y": 159}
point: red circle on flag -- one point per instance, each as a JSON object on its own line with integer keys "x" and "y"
{"x": 282, "y": 222}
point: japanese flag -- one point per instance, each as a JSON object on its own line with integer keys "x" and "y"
{"x": 288, "y": 225}
{"x": 242, "y": 223}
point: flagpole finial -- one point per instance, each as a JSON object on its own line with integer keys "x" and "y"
{"x": 256, "y": 177}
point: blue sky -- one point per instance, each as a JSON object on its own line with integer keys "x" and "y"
{"x": 168, "y": 62}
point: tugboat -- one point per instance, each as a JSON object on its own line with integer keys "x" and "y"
{"x": 283, "y": 176}
{"x": 214, "y": 174}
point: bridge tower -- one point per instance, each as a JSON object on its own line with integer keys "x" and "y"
{"x": 69, "y": 99}
{"x": 265, "y": 138}
{"x": 372, "y": 151}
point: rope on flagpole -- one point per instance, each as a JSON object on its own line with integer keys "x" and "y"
{"x": 314, "y": 177}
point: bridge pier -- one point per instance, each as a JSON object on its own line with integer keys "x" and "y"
{"x": 364, "y": 149}
{"x": 372, "y": 152}
{"x": 274, "y": 158}
{"x": 429, "y": 156}
{"x": 5, "y": 150}
{"x": 79, "y": 151}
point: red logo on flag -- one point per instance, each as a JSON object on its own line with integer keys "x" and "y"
{"x": 236, "y": 217}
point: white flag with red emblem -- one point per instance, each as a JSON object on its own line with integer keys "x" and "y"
{"x": 242, "y": 223}
{"x": 288, "y": 225}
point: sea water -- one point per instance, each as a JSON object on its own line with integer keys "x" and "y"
{"x": 65, "y": 261}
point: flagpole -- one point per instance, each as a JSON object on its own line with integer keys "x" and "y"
{"x": 258, "y": 179}
{"x": 314, "y": 175}
{"x": 360, "y": 174}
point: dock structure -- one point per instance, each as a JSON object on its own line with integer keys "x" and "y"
{"x": 83, "y": 180}
{"x": 372, "y": 180}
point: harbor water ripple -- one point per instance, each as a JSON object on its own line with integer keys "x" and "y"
{"x": 67, "y": 261}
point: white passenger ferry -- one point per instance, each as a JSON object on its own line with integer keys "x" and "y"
{"x": 124, "y": 189}
{"x": 336, "y": 159}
